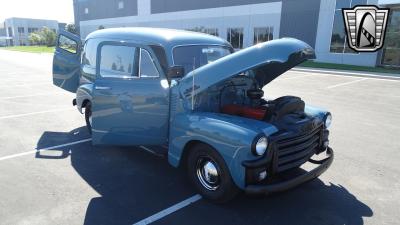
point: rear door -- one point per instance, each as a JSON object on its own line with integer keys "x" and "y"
{"x": 66, "y": 61}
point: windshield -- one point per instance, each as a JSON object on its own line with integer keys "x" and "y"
{"x": 195, "y": 56}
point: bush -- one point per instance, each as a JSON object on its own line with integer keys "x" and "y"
{"x": 45, "y": 36}
{"x": 35, "y": 39}
{"x": 71, "y": 28}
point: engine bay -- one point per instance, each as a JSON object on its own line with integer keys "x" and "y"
{"x": 241, "y": 96}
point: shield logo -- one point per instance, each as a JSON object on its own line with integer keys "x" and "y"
{"x": 365, "y": 27}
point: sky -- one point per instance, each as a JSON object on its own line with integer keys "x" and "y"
{"x": 61, "y": 10}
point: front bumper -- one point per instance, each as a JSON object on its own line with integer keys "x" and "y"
{"x": 324, "y": 164}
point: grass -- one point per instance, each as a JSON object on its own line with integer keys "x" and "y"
{"x": 349, "y": 67}
{"x": 34, "y": 49}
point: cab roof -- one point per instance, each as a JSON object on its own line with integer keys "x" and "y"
{"x": 161, "y": 36}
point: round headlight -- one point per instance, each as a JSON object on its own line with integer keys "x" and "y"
{"x": 260, "y": 146}
{"x": 328, "y": 120}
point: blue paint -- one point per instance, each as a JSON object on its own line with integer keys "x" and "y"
{"x": 159, "y": 110}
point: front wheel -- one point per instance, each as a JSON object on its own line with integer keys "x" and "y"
{"x": 88, "y": 116}
{"x": 209, "y": 174}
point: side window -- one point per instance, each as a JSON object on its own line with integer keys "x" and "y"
{"x": 117, "y": 61}
{"x": 147, "y": 67}
{"x": 161, "y": 56}
{"x": 67, "y": 44}
{"x": 89, "y": 54}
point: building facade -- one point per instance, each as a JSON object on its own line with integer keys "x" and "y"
{"x": 18, "y": 29}
{"x": 247, "y": 22}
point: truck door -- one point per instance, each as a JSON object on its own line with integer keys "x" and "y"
{"x": 130, "y": 104}
{"x": 66, "y": 61}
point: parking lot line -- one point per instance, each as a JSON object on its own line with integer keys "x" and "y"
{"x": 43, "y": 149}
{"x": 27, "y": 96}
{"x": 169, "y": 210}
{"x": 346, "y": 74}
{"x": 346, "y": 83}
{"x": 295, "y": 77}
{"x": 27, "y": 84}
{"x": 34, "y": 113}
{"x": 151, "y": 151}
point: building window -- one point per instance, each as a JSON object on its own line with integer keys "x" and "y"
{"x": 32, "y": 29}
{"x": 86, "y": 10}
{"x": 201, "y": 29}
{"x": 263, "y": 34}
{"x": 211, "y": 31}
{"x": 391, "y": 50}
{"x": 120, "y": 4}
{"x": 235, "y": 37}
{"x": 10, "y": 32}
{"x": 21, "y": 30}
{"x": 339, "y": 38}
{"x": 117, "y": 61}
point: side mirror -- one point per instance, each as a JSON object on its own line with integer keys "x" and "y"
{"x": 176, "y": 72}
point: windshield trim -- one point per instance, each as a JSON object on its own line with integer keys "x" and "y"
{"x": 203, "y": 44}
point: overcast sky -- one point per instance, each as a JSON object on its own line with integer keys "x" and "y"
{"x": 61, "y": 10}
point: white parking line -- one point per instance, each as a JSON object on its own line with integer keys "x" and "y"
{"x": 27, "y": 96}
{"x": 35, "y": 113}
{"x": 26, "y": 85}
{"x": 295, "y": 77}
{"x": 346, "y": 83}
{"x": 43, "y": 149}
{"x": 151, "y": 151}
{"x": 169, "y": 210}
{"x": 348, "y": 74}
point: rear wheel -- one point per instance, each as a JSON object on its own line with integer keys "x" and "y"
{"x": 209, "y": 174}
{"x": 88, "y": 116}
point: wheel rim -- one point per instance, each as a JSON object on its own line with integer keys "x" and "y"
{"x": 208, "y": 173}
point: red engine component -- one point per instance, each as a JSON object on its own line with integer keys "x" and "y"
{"x": 244, "y": 111}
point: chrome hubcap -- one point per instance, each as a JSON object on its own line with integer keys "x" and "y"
{"x": 208, "y": 174}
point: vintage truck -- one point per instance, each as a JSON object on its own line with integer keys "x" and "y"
{"x": 193, "y": 93}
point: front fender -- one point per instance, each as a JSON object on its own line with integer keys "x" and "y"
{"x": 84, "y": 92}
{"x": 231, "y": 136}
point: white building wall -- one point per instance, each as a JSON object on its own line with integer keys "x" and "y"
{"x": 244, "y": 16}
{"x": 14, "y": 23}
{"x": 323, "y": 40}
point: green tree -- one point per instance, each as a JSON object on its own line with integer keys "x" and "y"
{"x": 35, "y": 38}
{"x": 71, "y": 28}
{"x": 49, "y": 36}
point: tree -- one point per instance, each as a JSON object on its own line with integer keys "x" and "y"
{"x": 35, "y": 38}
{"x": 45, "y": 36}
{"x": 49, "y": 36}
{"x": 71, "y": 28}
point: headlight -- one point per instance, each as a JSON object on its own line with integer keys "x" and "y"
{"x": 260, "y": 145}
{"x": 328, "y": 120}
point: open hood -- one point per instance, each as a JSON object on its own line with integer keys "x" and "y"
{"x": 268, "y": 60}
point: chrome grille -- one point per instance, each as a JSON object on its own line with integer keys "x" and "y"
{"x": 293, "y": 151}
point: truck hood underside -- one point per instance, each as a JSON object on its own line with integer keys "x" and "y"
{"x": 268, "y": 60}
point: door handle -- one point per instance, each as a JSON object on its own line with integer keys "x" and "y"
{"x": 102, "y": 88}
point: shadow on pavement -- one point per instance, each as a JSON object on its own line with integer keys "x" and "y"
{"x": 312, "y": 203}
{"x": 134, "y": 184}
